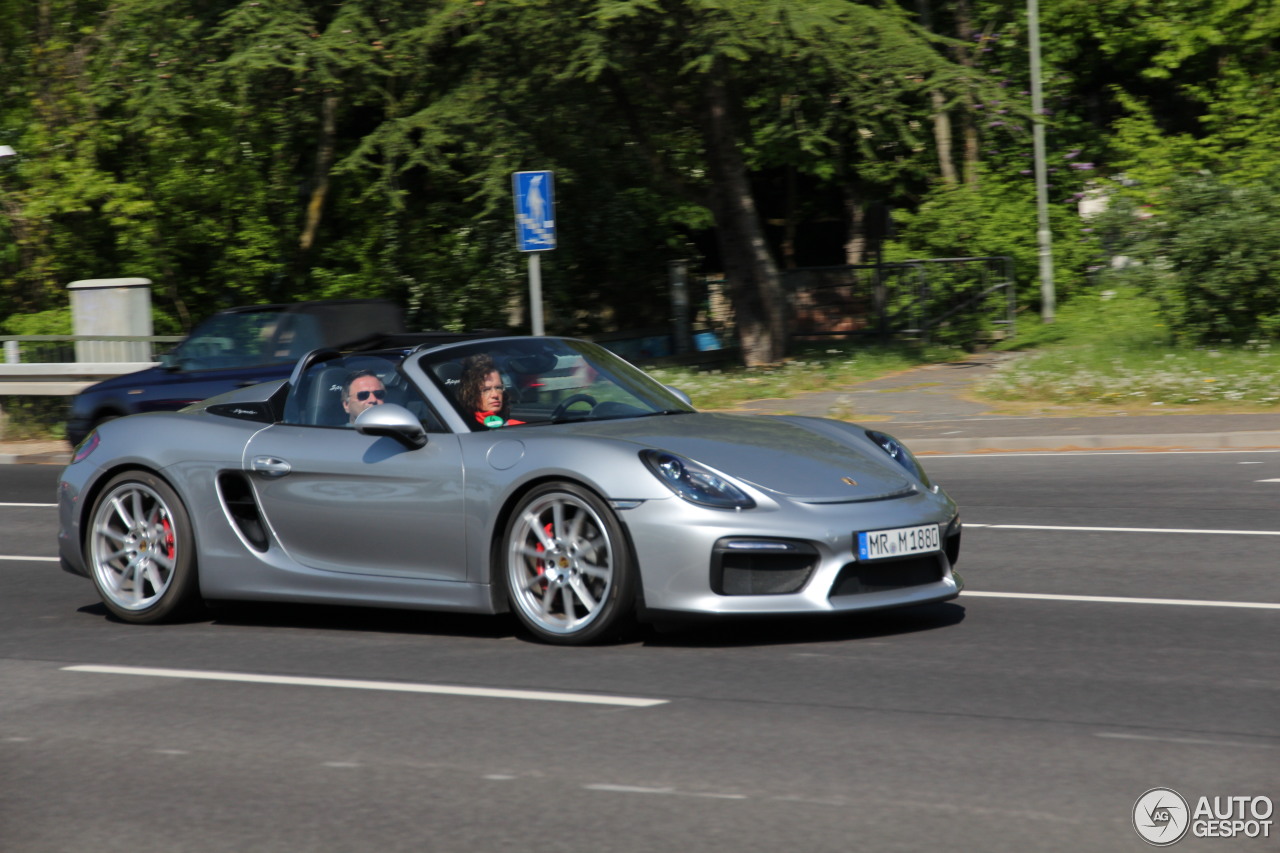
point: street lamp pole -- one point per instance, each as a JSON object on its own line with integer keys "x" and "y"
{"x": 1043, "y": 235}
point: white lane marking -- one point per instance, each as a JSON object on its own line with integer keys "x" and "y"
{"x": 985, "y": 454}
{"x": 835, "y": 800}
{"x": 1274, "y": 480}
{"x": 29, "y": 559}
{"x": 637, "y": 789}
{"x": 391, "y": 686}
{"x": 3, "y": 505}
{"x": 1122, "y": 529}
{"x": 1117, "y": 599}
{"x": 1184, "y": 740}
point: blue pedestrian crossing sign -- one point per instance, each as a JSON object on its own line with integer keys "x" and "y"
{"x": 535, "y": 211}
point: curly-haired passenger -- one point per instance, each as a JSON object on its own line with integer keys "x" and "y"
{"x": 483, "y": 393}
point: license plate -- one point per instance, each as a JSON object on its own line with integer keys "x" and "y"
{"x": 899, "y": 542}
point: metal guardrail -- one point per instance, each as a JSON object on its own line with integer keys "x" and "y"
{"x": 47, "y": 365}
{"x": 61, "y": 379}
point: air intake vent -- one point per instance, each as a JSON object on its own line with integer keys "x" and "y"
{"x": 862, "y": 578}
{"x": 761, "y": 566}
{"x": 237, "y": 497}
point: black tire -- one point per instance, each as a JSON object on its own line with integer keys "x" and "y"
{"x": 140, "y": 550}
{"x": 568, "y": 568}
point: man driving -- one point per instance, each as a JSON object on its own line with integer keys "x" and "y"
{"x": 362, "y": 390}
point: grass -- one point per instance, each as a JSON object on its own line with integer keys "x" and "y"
{"x": 1111, "y": 349}
{"x": 1106, "y": 351}
{"x": 24, "y": 418}
{"x": 811, "y": 369}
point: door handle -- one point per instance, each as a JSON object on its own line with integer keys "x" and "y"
{"x": 270, "y": 466}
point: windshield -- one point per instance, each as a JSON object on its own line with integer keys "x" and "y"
{"x": 246, "y": 339}
{"x": 519, "y": 381}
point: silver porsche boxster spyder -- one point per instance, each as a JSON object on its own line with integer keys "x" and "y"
{"x": 543, "y": 476}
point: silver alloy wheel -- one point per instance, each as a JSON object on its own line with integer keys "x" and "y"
{"x": 134, "y": 548}
{"x": 561, "y": 564}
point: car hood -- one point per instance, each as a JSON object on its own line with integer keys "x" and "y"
{"x": 805, "y": 459}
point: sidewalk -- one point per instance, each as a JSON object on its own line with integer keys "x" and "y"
{"x": 34, "y": 452}
{"x": 930, "y": 409}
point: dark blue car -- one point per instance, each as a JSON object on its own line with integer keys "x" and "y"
{"x": 231, "y": 349}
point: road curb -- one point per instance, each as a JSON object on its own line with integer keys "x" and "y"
{"x": 1259, "y": 440}
{"x": 1234, "y": 440}
{"x": 57, "y": 458}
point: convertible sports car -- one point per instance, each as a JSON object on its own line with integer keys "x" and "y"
{"x": 584, "y": 495}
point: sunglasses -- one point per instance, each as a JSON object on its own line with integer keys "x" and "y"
{"x": 364, "y": 395}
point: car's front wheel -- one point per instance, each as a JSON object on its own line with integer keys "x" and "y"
{"x": 569, "y": 571}
{"x": 140, "y": 550}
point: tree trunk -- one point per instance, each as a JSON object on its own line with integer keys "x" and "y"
{"x": 320, "y": 179}
{"x": 855, "y": 244}
{"x": 789, "y": 223}
{"x": 751, "y": 273}
{"x": 941, "y": 119}
{"x": 942, "y": 139}
{"x": 969, "y": 125}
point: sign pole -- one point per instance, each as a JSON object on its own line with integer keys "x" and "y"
{"x": 535, "y": 294}
{"x": 1044, "y": 236}
{"x": 535, "y": 232}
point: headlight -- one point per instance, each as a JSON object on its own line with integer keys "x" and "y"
{"x": 695, "y": 483}
{"x": 898, "y": 451}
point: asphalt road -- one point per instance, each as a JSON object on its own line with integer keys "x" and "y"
{"x": 1109, "y": 642}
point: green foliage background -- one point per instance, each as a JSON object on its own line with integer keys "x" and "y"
{"x": 236, "y": 151}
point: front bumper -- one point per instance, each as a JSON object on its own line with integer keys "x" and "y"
{"x": 680, "y": 549}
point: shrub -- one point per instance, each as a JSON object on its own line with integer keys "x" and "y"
{"x": 1210, "y": 255}
{"x": 998, "y": 218}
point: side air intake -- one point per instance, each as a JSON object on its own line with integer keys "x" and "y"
{"x": 237, "y": 497}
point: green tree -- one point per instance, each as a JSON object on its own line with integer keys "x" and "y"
{"x": 237, "y": 151}
{"x": 1174, "y": 87}
{"x": 810, "y": 87}
{"x": 1210, "y": 257}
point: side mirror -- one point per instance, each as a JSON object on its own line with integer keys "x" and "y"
{"x": 683, "y": 397}
{"x": 394, "y": 421}
{"x": 169, "y": 362}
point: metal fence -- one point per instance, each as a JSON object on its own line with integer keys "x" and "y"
{"x": 951, "y": 300}
{"x": 66, "y": 349}
{"x": 62, "y": 365}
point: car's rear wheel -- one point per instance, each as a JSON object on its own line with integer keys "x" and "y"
{"x": 140, "y": 550}
{"x": 569, "y": 571}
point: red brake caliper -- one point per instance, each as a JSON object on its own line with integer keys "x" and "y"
{"x": 170, "y": 544}
{"x": 541, "y": 565}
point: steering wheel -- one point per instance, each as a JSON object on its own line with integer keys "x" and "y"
{"x": 563, "y": 408}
